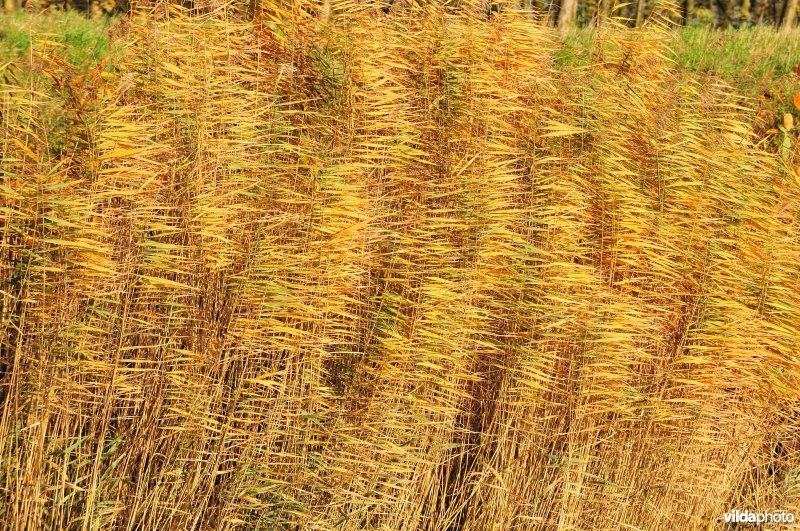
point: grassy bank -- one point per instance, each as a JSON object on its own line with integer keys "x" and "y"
{"x": 79, "y": 40}
{"x": 758, "y": 63}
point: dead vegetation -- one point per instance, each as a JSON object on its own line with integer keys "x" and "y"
{"x": 392, "y": 272}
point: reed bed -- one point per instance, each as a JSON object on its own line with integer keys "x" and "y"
{"x": 369, "y": 271}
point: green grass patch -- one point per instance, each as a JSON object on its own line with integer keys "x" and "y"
{"x": 757, "y": 62}
{"x": 83, "y": 41}
{"x": 744, "y": 57}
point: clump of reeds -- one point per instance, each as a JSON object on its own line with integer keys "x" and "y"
{"x": 392, "y": 271}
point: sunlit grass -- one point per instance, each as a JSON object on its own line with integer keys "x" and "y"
{"x": 403, "y": 272}
{"x": 85, "y": 41}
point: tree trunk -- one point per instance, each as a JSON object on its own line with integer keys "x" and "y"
{"x": 688, "y": 12}
{"x": 529, "y": 7}
{"x": 789, "y": 17}
{"x": 725, "y": 14}
{"x": 551, "y": 12}
{"x": 639, "y": 12}
{"x": 591, "y": 10}
{"x": 745, "y": 13}
{"x": 567, "y": 14}
{"x": 10, "y": 6}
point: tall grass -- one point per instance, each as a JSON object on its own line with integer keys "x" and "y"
{"x": 83, "y": 41}
{"x": 393, "y": 272}
{"x": 755, "y": 54}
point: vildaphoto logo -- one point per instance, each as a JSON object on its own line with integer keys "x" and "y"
{"x": 746, "y": 517}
